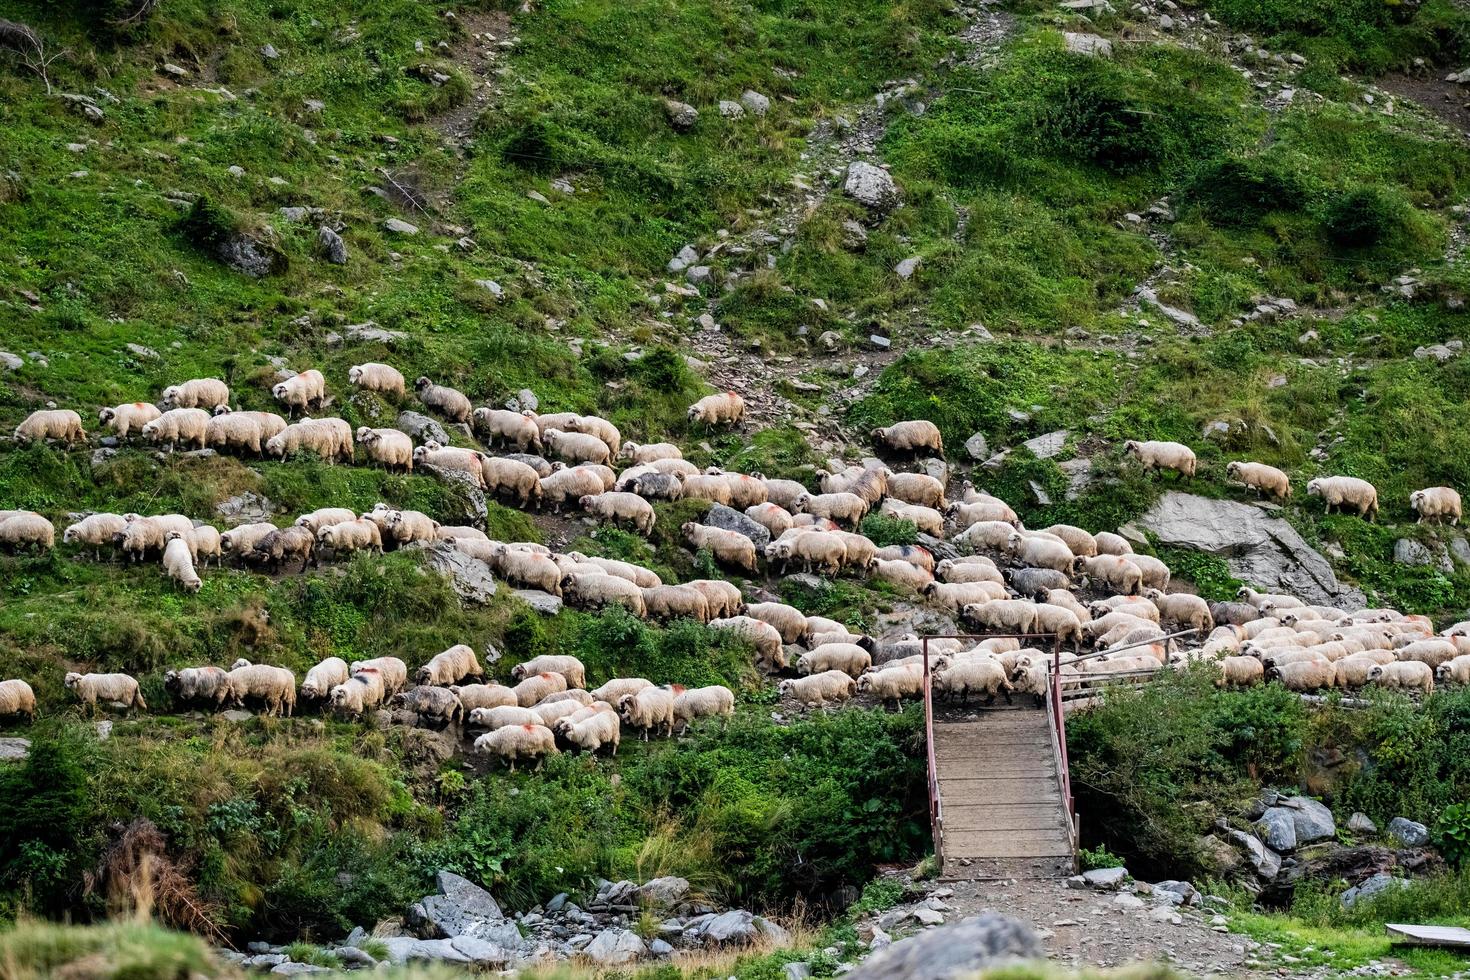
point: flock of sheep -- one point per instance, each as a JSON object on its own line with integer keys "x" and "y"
{"x": 1061, "y": 585}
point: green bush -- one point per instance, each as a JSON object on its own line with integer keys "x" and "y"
{"x": 885, "y": 530}
{"x": 1365, "y": 218}
{"x": 1239, "y": 191}
{"x": 1452, "y": 834}
{"x": 1089, "y": 859}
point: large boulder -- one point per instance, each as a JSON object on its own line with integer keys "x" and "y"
{"x": 733, "y": 520}
{"x": 1277, "y": 829}
{"x": 1376, "y": 885}
{"x": 1266, "y": 862}
{"x": 1411, "y": 833}
{"x": 421, "y": 428}
{"x": 668, "y": 892}
{"x": 953, "y": 951}
{"x": 1311, "y": 820}
{"x": 469, "y": 577}
{"x": 1260, "y": 548}
{"x": 462, "y": 908}
{"x": 872, "y": 187}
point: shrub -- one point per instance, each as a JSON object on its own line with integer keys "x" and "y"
{"x": 1365, "y": 218}
{"x": 1090, "y": 859}
{"x": 1452, "y": 834}
{"x": 1239, "y": 191}
{"x": 207, "y": 226}
{"x": 884, "y": 530}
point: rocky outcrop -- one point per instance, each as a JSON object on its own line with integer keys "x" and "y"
{"x": 1260, "y": 548}
{"x": 469, "y": 577}
{"x": 953, "y": 951}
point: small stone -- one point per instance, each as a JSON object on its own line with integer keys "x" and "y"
{"x": 798, "y": 971}
{"x": 332, "y": 245}
{"x": 758, "y": 104}
{"x": 169, "y": 68}
{"x": 682, "y": 115}
{"x": 269, "y": 52}
{"x": 11, "y": 362}
{"x": 1361, "y": 823}
{"x": 491, "y": 286}
{"x": 872, "y": 187}
{"x": 731, "y": 110}
{"x": 538, "y": 197}
{"x": 880, "y": 342}
{"x": 906, "y": 268}
{"x": 400, "y": 227}
{"x": 1105, "y": 879}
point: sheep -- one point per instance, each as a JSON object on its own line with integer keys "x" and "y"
{"x": 1059, "y": 621}
{"x": 271, "y": 424}
{"x": 621, "y": 507}
{"x": 274, "y": 687}
{"x": 990, "y": 535}
{"x": 322, "y": 678}
{"x": 919, "y": 489}
{"x": 283, "y": 545}
{"x": 57, "y": 425}
{"x": 1010, "y": 615}
{"x": 110, "y": 688}
{"x": 724, "y": 598}
{"x": 666, "y": 602}
{"x": 727, "y": 408}
{"x": 509, "y": 478}
{"x": 233, "y": 431}
{"x": 613, "y": 691}
{"x": 392, "y": 449}
{"x": 407, "y": 526}
{"x": 301, "y": 392}
{"x": 816, "y": 690}
{"x": 355, "y": 535}
{"x": 893, "y": 683}
{"x": 1112, "y": 572}
{"x": 450, "y": 403}
{"x": 532, "y": 689}
{"x": 606, "y": 478}
{"x": 956, "y": 596}
{"x": 515, "y": 743}
{"x": 849, "y": 658}
{"x": 210, "y": 685}
{"x": 963, "y": 514}
{"x": 431, "y": 704}
{"x": 819, "y": 552}
{"x": 208, "y": 393}
{"x": 577, "y": 447}
{"x": 1436, "y": 504}
{"x": 507, "y": 428}
{"x": 449, "y": 667}
{"x": 1353, "y": 671}
{"x": 787, "y": 494}
{"x": 459, "y": 532}
{"x": 773, "y": 517}
{"x": 648, "y": 710}
{"x": 573, "y": 483}
{"x": 1262, "y": 599}
{"x": 1346, "y": 491}
{"x": 1162, "y": 456}
{"x": 974, "y": 675}
{"x": 392, "y": 673}
{"x": 1411, "y": 675}
{"x": 841, "y": 508}
{"x": 474, "y": 696}
{"x": 465, "y": 462}
{"x": 600, "y": 591}
{"x": 728, "y": 547}
{"x": 373, "y": 376}
{"x": 1182, "y": 609}
{"x": 94, "y": 530}
{"x": 789, "y": 621}
{"x": 1261, "y": 478}
{"x": 1234, "y": 613}
{"x": 901, "y": 573}
{"x": 765, "y": 638}
{"x": 1030, "y": 581}
{"x": 1431, "y": 652}
{"x": 322, "y": 517}
{"x": 178, "y": 563}
{"x": 913, "y": 437}
{"x": 1456, "y": 671}
{"x": 592, "y": 732}
{"x": 648, "y": 452}
{"x": 594, "y": 425}
{"x": 179, "y": 426}
{"x": 1306, "y": 676}
{"x": 926, "y": 520}
{"x": 128, "y": 418}
{"x": 914, "y": 554}
{"x": 712, "y": 487}
{"x": 570, "y": 668}
{"x": 745, "y": 491}
{"x": 331, "y": 439}
{"x": 542, "y": 467}
{"x": 243, "y": 539}
{"x": 500, "y": 716}
{"x": 636, "y": 574}
{"x": 17, "y": 699}
{"x": 1109, "y": 543}
{"x": 651, "y": 485}
{"x": 1041, "y": 552}
{"x": 1224, "y": 640}
{"x": 526, "y": 570}
{"x": 702, "y": 702}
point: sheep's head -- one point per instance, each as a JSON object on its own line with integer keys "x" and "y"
{"x": 363, "y": 432}
{"x": 72, "y": 680}
{"x": 421, "y": 383}
{"x": 274, "y": 446}
{"x": 280, "y": 391}
{"x": 1314, "y": 488}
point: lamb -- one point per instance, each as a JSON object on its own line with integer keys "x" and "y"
{"x": 465, "y": 462}
{"x": 841, "y": 508}
{"x": 601, "y": 428}
{"x": 1261, "y": 478}
{"x": 974, "y": 675}
{"x": 128, "y": 418}
{"x": 322, "y": 678}
{"x": 714, "y": 488}
{"x": 1183, "y": 610}
{"x": 1346, "y": 491}
{"x": 302, "y": 392}
{"x": 394, "y": 672}
{"x": 621, "y": 507}
{"x": 110, "y": 688}
{"x": 849, "y": 658}
{"x": 817, "y": 690}
{"x": 956, "y": 596}
{"x": 449, "y": 667}
{"x": 208, "y": 393}
{"x": 568, "y": 484}
{"x": 570, "y": 668}
{"x": 500, "y": 716}
{"x": 452, "y": 404}
{"x": 178, "y": 563}
{"x": 506, "y": 428}
{"x": 577, "y": 447}
{"x": 431, "y": 704}
{"x": 723, "y": 409}
{"x": 17, "y": 699}
{"x": 243, "y": 539}
{"x": 789, "y": 621}
{"x": 1456, "y": 671}
{"x": 374, "y": 376}
{"x": 1162, "y": 456}
{"x": 391, "y": 449}
{"x": 283, "y": 545}
{"x": 893, "y": 683}
{"x": 925, "y": 519}
{"x": 526, "y": 570}
{"x": 919, "y": 489}
{"x": 702, "y": 702}
{"x": 1112, "y": 572}
{"x": 534, "y": 688}
{"x": 1041, "y": 552}
{"x": 914, "y": 436}
{"x": 1305, "y": 676}
{"x": 1109, "y": 543}
{"x": 650, "y": 709}
{"x": 94, "y": 531}
{"x": 1410, "y": 675}
{"x": 233, "y": 431}
{"x": 1436, "y": 504}
{"x": 901, "y": 573}
{"x": 648, "y": 452}
{"x": 515, "y": 743}
{"x": 179, "y": 426}
{"x": 728, "y": 547}
{"x": 666, "y": 602}
{"x": 407, "y": 526}
{"x": 355, "y": 535}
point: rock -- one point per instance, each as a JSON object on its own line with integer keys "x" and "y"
{"x": 660, "y": 949}
{"x": 542, "y": 602}
{"x": 354, "y": 958}
{"x": 11, "y": 362}
{"x": 798, "y": 971}
{"x": 245, "y": 508}
{"x": 1186, "y": 893}
{"x": 927, "y": 917}
{"x": 1129, "y": 902}
{"x": 1312, "y": 819}
{"x": 872, "y": 187}
{"x": 14, "y": 749}
{"x": 1267, "y": 863}
{"x": 880, "y": 342}
{"x": 1277, "y": 829}
{"x": 104, "y": 730}
{"x": 1407, "y": 551}
{"x": 1376, "y": 885}
{"x": 269, "y": 52}
{"x": 296, "y": 969}
{"x": 469, "y": 577}
{"x": 953, "y": 951}
{"x": 1259, "y": 548}
{"x": 236, "y": 715}
{"x": 1361, "y": 823}
{"x": 977, "y": 448}
{"x": 830, "y": 341}
{"x": 1182, "y": 318}
{"x": 491, "y": 286}
{"x": 854, "y": 236}
{"x": 1410, "y": 833}
{"x": 169, "y": 68}
{"x": 332, "y": 245}
{"x": 667, "y": 892}
{"x": 400, "y": 227}
{"x": 614, "y": 946}
{"x": 687, "y": 256}
{"x": 371, "y": 332}
{"x": 462, "y": 908}
{"x": 1436, "y": 352}
{"x": 733, "y": 520}
{"x": 758, "y": 104}
{"x": 682, "y": 115}
{"x": 731, "y": 110}
{"x": 248, "y": 255}
{"x": 1047, "y": 446}
{"x": 421, "y": 428}
{"x": 733, "y": 928}
{"x": 1088, "y": 44}
{"x": 1105, "y": 879}
{"x": 906, "y": 268}
{"x": 266, "y": 961}
{"x": 698, "y": 275}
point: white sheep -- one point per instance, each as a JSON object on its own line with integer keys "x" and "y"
{"x": 354, "y": 535}
{"x": 373, "y": 376}
{"x": 319, "y": 436}
{"x": 595, "y": 425}
{"x": 973, "y": 675}
{"x": 1346, "y": 491}
{"x": 787, "y": 494}
{"x": 503, "y": 427}
{"x": 301, "y": 392}
{"x": 207, "y": 393}
{"x": 275, "y": 687}
{"x": 1039, "y": 552}
{"x": 178, "y": 563}
{"x": 501, "y": 715}
{"x": 391, "y": 449}
{"x": 612, "y": 692}
{"x": 726, "y": 408}
{"x": 648, "y": 452}
{"x": 817, "y": 690}
{"x": 723, "y": 598}
{"x": 536, "y": 687}
{"x": 893, "y": 682}
{"x": 23, "y": 529}
{"x": 179, "y": 426}
{"x": 1311, "y": 675}
{"x": 233, "y": 431}
{"x": 690, "y": 705}
{"x": 449, "y": 667}
{"x": 1183, "y": 610}
{"x": 1456, "y": 671}
{"x": 1261, "y": 478}
{"x": 668, "y": 602}
{"x": 128, "y": 418}
{"x": 242, "y": 539}
{"x": 764, "y": 637}
{"x": 964, "y": 513}
{"x": 596, "y": 731}
{"x": 393, "y": 671}
{"x": 954, "y": 596}
{"x": 570, "y": 668}
{"x": 1109, "y": 543}
{"x": 901, "y": 573}
{"x": 526, "y": 570}
{"x": 926, "y": 520}
{"x": 712, "y": 487}
{"x": 621, "y": 508}
{"x": 727, "y": 547}
{"x": 323, "y": 677}
{"x": 363, "y": 690}
{"x": 1113, "y": 572}
{"x": 1436, "y": 504}
{"x": 913, "y": 436}
{"x": 452, "y": 459}
{"x": 109, "y": 688}
{"x": 95, "y": 531}
{"x": 569, "y": 484}
{"x": 452, "y": 404}
{"x": 841, "y": 508}
{"x": 576, "y": 447}
{"x": 17, "y": 700}
{"x": 515, "y": 743}
{"x": 474, "y": 696}
{"x": 849, "y": 658}
{"x": 598, "y": 591}
{"x": 1162, "y": 456}
{"x": 1410, "y": 675}
{"x": 407, "y": 526}
{"x": 648, "y": 710}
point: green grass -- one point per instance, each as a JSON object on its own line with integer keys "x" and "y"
{"x": 31, "y": 950}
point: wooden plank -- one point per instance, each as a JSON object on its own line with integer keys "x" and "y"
{"x": 1453, "y": 937}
